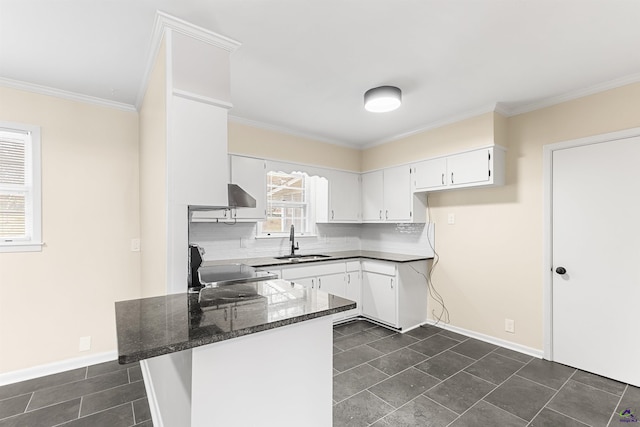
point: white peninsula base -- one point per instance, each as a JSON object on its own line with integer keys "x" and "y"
{"x": 279, "y": 377}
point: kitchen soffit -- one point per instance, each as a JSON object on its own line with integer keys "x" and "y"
{"x": 303, "y": 67}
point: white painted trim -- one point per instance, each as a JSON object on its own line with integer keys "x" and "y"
{"x": 547, "y": 233}
{"x": 580, "y": 93}
{"x": 204, "y": 99}
{"x": 164, "y": 22}
{"x": 56, "y": 367}
{"x": 491, "y": 340}
{"x": 156, "y": 416}
{"x": 288, "y": 131}
{"x": 59, "y": 93}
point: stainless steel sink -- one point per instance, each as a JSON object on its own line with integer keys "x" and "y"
{"x": 300, "y": 258}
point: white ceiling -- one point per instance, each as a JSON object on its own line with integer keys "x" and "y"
{"x": 304, "y": 65}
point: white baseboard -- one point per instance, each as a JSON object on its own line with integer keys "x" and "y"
{"x": 491, "y": 340}
{"x": 56, "y": 367}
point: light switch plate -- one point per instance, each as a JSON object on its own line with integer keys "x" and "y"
{"x": 85, "y": 344}
{"x": 451, "y": 219}
{"x": 135, "y": 245}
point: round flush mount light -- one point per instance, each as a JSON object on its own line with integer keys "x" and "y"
{"x": 382, "y": 99}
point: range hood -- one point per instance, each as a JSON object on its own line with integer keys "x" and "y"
{"x": 238, "y": 198}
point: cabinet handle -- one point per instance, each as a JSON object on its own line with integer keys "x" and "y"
{"x": 319, "y": 283}
{"x": 348, "y": 279}
{"x": 380, "y": 213}
{"x": 225, "y": 314}
{"x": 332, "y": 214}
{"x": 391, "y": 283}
{"x": 386, "y": 215}
{"x": 235, "y": 312}
{"x": 443, "y": 179}
{"x": 313, "y": 283}
{"x": 452, "y": 177}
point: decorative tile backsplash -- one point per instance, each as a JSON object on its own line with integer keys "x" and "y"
{"x": 223, "y": 241}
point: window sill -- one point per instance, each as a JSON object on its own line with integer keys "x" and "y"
{"x": 21, "y": 247}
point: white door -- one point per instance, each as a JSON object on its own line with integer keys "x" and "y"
{"x": 596, "y": 240}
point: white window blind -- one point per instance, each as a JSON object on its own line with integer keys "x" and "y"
{"x": 19, "y": 187}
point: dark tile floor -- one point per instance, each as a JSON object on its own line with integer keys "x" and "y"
{"x": 433, "y": 377}
{"x": 426, "y": 377}
{"x": 103, "y": 395}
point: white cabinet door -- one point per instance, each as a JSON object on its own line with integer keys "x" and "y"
{"x": 397, "y": 193}
{"x": 198, "y": 174}
{"x": 379, "y": 297}
{"x": 333, "y": 284}
{"x": 251, "y": 175}
{"x": 344, "y": 197}
{"x": 467, "y": 168}
{"x": 430, "y": 174}
{"x": 372, "y": 196}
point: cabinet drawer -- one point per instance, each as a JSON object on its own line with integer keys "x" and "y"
{"x": 379, "y": 267}
{"x": 353, "y": 265}
{"x": 312, "y": 270}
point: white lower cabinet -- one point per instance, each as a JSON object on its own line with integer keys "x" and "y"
{"x": 391, "y": 293}
{"x": 337, "y": 278}
{"x": 395, "y": 293}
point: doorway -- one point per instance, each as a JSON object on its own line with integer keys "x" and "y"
{"x": 592, "y": 259}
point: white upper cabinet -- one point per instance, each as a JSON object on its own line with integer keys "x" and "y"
{"x": 251, "y": 175}
{"x": 344, "y": 197}
{"x": 397, "y": 194}
{"x": 372, "y": 199}
{"x": 482, "y": 167}
{"x": 387, "y": 197}
{"x": 431, "y": 174}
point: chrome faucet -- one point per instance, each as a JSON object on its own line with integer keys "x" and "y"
{"x": 292, "y": 237}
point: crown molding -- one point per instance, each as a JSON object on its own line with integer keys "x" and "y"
{"x": 569, "y": 96}
{"x": 59, "y": 93}
{"x": 434, "y": 125}
{"x": 164, "y": 22}
{"x": 288, "y": 131}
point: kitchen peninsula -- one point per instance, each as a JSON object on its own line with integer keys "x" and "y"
{"x": 242, "y": 354}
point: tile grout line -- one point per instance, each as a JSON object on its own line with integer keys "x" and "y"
{"x": 504, "y": 410}
{"x": 552, "y": 397}
{"x": 487, "y": 394}
{"x": 598, "y": 388}
{"x": 615, "y": 410}
{"x": 565, "y": 415}
{"x": 133, "y": 411}
{"x": 535, "y": 382}
{"x": 80, "y": 406}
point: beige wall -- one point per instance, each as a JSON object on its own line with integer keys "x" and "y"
{"x": 153, "y": 180}
{"x": 49, "y": 299}
{"x": 268, "y": 144}
{"x": 470, "y": 133}
{"x": 491, "y": 260}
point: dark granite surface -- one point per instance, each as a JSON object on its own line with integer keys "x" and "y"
{"x": 332, "y": 256}
{"x": 150, "y": 327}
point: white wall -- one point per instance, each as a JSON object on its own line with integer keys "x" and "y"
{"x": 222, "y": 241}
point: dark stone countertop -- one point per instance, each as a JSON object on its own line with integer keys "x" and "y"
{"x": 150, "y": 327}
{"x": 332, "y": 256}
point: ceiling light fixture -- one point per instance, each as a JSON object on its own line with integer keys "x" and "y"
{"x": 382, "y": 99}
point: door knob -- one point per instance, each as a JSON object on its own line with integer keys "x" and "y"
{"x": 561, "y": 270}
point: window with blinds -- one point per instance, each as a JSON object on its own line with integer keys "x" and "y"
{"x": 19, "y": 158}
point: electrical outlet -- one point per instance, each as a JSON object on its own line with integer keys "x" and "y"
{"x": 451, "y": 219}
{"x": 85, "y": 344}
{"x": 135, "y": 245}
{"x": 510, "y": 325}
